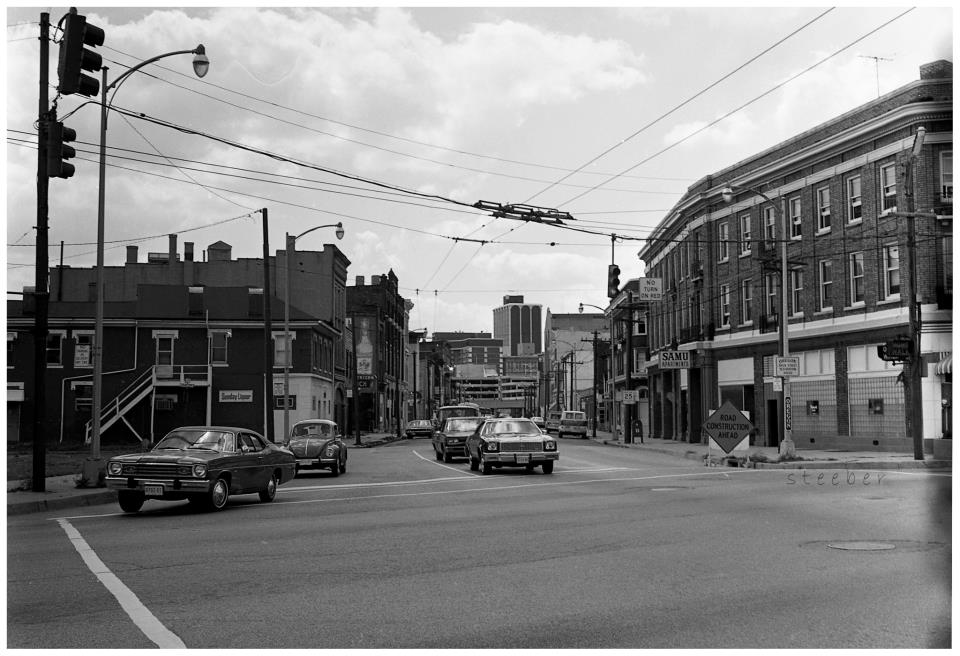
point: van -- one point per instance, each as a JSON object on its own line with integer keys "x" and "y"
{"x": 553, "y": 420}
{"x": 572, "y": 422}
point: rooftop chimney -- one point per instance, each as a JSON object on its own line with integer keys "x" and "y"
{"x": 359, "y": 281}
{"x": 132, "y": 254}
{"x": 173, "y": 249}
{"x": 188, "y": 251}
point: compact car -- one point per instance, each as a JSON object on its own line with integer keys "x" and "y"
{"x": 420, "y": 428}
{"x": 203, "y": 464}
{"x": 318, "y": 444}
{"x": 511, "y": 442}
{"x": 553, "y": 420}
{"x": 451, "y": 440}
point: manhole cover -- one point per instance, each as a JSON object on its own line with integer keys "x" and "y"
{"x": 862, "y": 546}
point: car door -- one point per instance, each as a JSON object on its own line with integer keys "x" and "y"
{"x": 253, "y": 469}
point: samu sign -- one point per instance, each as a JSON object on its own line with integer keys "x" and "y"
{"x": 675, "y": 359}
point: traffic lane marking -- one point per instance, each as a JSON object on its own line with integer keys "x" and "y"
{"x": 144, "y": 620}
{"x": 441, "y": 464}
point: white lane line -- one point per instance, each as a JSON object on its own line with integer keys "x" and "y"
{"x": 444, "y": 465}
{"x": 141, "y": 616}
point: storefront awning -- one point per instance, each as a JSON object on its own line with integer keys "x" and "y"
{"x": 945, "y": 366}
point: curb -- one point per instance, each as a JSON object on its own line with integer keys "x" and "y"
{"x": 43, "y": 505}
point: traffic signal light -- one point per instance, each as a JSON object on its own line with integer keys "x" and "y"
{"x": 613, "y": 280}
{"x": 57, "y": 149}
{"x": 74, "y": 58}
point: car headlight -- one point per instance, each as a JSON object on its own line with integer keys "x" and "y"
{"x": 549, "y": 445}
{"x": 115, "y": 468}
{"x": 331, "y": 451}
{"x": 199, "y": 471}
{"x": 493, "y": 446}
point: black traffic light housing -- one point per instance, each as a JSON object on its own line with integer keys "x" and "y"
{"x": 57, "y": 150}
{"x": 74, "y": 58}
{"x": 613, "y": 280}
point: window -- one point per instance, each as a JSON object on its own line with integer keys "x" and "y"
{"x": 795, "y": 218}
{"x": 82, "y": 350}
{"x": 82, "y": 397}
{"x": 11, "y": 339}
{"x": 857, "y": 294}
{"x": 946, "y": 176}
{"x": 770, "y": 294}
{"x": 854, "y": 200}
{"x": 724, "y": 305}
{"x": 796, "y": 289}
{"x": 724, "y": 239}
{"x": 55, "y": 349}
{"x": 195, "y": 301}
{"x": 281, "y": 355}
{"x": 888, "y": 188}
{"x": 770, "y": 226}
{"x": 826, "y": 285}
{"x": 744, "y": 234}
{"x": 823, "y": 209}
{"x": 891, "y": 272}
{"x": 746, "y": 301}
{"x": 218, "y": 346}
{"x": 164, "y": 350}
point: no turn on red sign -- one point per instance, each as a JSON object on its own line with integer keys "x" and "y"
{"x": 727, "y": 426}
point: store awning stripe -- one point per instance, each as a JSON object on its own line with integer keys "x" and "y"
{"x": 945, "y": 366}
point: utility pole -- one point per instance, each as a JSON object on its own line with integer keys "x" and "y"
{"x": 356, "y": 384}
{"x": 595, "y": 403}
{"x": 913, "y": 376}
{"x": 38, "y": 484}
{"x": 267, "y": 336}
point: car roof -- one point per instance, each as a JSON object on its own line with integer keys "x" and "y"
{"x": 233, "y": 429}
{"x": 315, "y": 421}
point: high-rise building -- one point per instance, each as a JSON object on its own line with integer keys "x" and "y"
{"x": 519, "y": 325}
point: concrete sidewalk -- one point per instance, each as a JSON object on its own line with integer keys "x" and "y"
{"x": 768, "y": 457}
{"x": 62, "y": 492}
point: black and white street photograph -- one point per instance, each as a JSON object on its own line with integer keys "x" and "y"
{"x": 543, "y": 327}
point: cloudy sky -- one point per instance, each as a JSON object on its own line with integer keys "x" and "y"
{"x": 395, "y": 121}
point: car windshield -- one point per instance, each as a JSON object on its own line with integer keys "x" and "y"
{"x": 462, "y": 424}
{"x": 421, "y": 423}
{"x": 524, "y": 426}
{"x": 311, "y": 430}
{"x": 207, "y": 440}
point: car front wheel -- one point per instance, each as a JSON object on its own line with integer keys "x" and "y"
{"x": 446, "y": 456}
{"x": 219, "y": 493}
{"x": 130, "y": 502}
{"x": 268, "y": 493}
{"x": 547, "y": 467}
{"x": 485, "y": 466}
{"x": 474, "y": 464}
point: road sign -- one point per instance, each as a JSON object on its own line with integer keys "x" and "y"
{"x": 787, "y": 413}
{"x": 630, "y": 396}
{"x": 675, "y": 359}
{"x": 727, "y": 426}
{"x": 650, "y": 289}
{"x": 787, "y": 365}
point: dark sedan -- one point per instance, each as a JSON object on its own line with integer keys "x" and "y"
{"x": 451, "y": 440}
{"x": 419, "y": 428}
{"x": 204, "y": 464}
{"x": 318, "y": 444}
{"x": 511, "y": 442}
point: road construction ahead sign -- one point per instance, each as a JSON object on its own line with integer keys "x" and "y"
{"x": 727, "y": 426}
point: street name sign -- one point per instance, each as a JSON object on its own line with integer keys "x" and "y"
{"x": 650, "y": 289}
{"x": 727, "y": 427}
{"x": 787, "y": 365}
{"x": 675, "y": 359}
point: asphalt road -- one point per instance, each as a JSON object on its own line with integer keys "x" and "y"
{"x": 616, "y": 549}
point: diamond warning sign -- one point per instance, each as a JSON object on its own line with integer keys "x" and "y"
{"x": 727, "y": 426}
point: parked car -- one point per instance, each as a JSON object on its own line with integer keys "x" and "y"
{"x": 572, "y": 422}
{"x": 540, "y": 422}
{"x": 553, "y": 420}
{"x": 451, "y": 440}
{"x": 204, "y": 464}
{"x": 419, "y": 427}
{"x": 511, "y": 442}
{"x": 318, "y": 444}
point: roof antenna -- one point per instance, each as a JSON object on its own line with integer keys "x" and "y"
{"x": 876, "y": 62}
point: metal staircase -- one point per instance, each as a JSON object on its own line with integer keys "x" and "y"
{"x": 152, "y": 377}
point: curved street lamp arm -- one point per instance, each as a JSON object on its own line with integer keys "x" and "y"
{"x": 115, "y": 85}
{"x": 329, "y": 225}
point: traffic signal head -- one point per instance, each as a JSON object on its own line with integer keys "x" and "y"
{"x": 74, "y": 58}
{"x": 613, "y": 280}
{"x": 57, "y": 150}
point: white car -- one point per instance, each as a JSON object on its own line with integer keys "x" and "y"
{"x": 572, "y": 422}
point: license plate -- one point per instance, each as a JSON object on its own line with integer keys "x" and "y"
{"x": 153, "y": 490}
{"x": 523, "y": 458}
{"x": 305, "y": 461}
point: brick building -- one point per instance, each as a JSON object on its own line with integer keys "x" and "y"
{"x": 844, "y": 192}
{"x": 185, "y": 342}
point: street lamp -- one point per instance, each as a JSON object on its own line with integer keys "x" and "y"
{"x": 595, "y": 394}
{"x": 787, "y": 446}
{"x": 200, "y": 67}
{"x": 290, "y": 244}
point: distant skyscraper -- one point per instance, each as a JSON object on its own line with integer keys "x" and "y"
{"x": 519, "y": 325}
